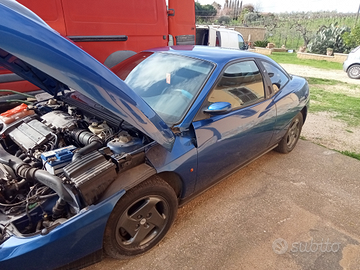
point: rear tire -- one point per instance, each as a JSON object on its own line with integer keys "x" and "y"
{"x": 289, "y": 141}
{"x": 140, "y": 219}
{"x": 354, "y": 72}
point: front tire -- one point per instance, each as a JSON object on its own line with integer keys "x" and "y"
{"x": 289, "y": 141}
{"x": 354, "y": 72}
{"x": 140, "y": 219}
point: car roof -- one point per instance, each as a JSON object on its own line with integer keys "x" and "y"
{"x": 216, "y": 55}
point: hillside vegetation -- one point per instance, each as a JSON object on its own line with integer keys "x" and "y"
{"x": 293, "y": 29}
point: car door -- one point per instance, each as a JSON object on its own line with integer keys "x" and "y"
{"x": 227, "y": 141}
{"x": 285, "y": 91}
{"x": 181, "y": 21}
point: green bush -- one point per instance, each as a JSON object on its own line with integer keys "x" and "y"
{"x": 261, "y": 43}
{"x": 352, "y": 39}
{"x": 252, "y": 17}
{"x": 224, "y": 20}
{"x": 329, "y": 37}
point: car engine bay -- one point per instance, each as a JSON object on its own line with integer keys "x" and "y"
{"x": 58, "y": 156}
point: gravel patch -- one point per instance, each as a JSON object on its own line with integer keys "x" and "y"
{"x": 323, "y": 129}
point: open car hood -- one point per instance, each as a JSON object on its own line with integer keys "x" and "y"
{"x": 34, "y": 51}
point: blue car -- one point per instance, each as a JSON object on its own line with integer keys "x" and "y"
{"x": 101, "y": 160}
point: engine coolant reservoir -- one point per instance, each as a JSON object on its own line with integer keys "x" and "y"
{"x": 16, "y": 113}
{"x": 124, "y": 143}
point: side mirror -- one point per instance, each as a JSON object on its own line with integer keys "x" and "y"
{"x": 244, "y": 47}
{"x": 218, "y": 108}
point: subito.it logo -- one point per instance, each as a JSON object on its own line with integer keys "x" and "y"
{"x": 280, "y": 246}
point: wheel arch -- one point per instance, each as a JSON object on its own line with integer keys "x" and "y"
{"x": 138, "y": 174}
{"x": 129, "y": 179}
{"x": 304, "y": 113}
{"x": 174, "y": 180}
{"x": 353, "y": 64}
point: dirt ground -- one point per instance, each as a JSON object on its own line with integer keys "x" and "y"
{"x": 306, "y": 71}
{"x": 322, "y": 128}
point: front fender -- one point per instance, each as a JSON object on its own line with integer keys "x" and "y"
{"x": 79, "y": 236}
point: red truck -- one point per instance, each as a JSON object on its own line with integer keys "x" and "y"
{"x": 112, "y": 30}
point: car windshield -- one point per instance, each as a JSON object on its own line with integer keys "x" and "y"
{"x": 168, "y": 83}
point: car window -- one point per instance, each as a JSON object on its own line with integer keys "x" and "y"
{"x": 277, "y": 77}
{"x": 241, "y": 42}
{"x": 241, "y": 84}
{"x": 167, "y": 83}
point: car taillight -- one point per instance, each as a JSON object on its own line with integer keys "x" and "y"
{"x": 217, "y": 44}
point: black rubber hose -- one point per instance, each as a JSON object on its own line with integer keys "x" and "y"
{"x": 84, "y": 137}
{"x": 24, "y": 170}
{"x": 91, "y": 142}
{"x": 95, "y": 145}
{"x": 8, "y": 159}
{"x": 55, "y": 184}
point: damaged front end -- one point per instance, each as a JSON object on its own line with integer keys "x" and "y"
{"x": 57, "y": 157}
{"x": 60, "y": 153}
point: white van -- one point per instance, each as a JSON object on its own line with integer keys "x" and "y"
{"x": 219, "y": 36}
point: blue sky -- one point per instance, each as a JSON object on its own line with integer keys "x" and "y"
{"x": 304, "y": 5}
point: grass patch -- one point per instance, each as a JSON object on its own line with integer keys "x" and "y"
{"x": 312, "y": 80}
{"x": 345, "y": 107}
{"x": 291, "y": 58}
{"x": 351, "y": 154}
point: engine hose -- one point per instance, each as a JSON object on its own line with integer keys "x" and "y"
{"x": 91, "y": 142}
{"x": 95, "y": 145}
{"x": 21, "y": 156}
{"x": 84, "y": 137}
{"x": 24, "y": 170}
{"x": 58, "y": 209}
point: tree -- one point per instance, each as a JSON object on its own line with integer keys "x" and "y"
{"x": 270, "y": 21}
{"x": 352, "y": 39}
{"x": 302, "y": 24}
{"x": 203, "y": 11}
{"x": 252, "y": 17}
{"x": 232, "y": 8}
{"x": 224, "y": 20}
{"x": 216, "y": 5}
{"x": 249, "y": 7}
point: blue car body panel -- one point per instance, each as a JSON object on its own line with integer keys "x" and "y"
{"x": 76, "y": 238}
{"x": 202, "y": 151}
{"x": 236, "y": 138}
{"x": 182, "y": 160}
{"x": 289, "y": 101}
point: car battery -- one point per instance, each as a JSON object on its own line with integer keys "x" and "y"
{"x": 55, "y": 160}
